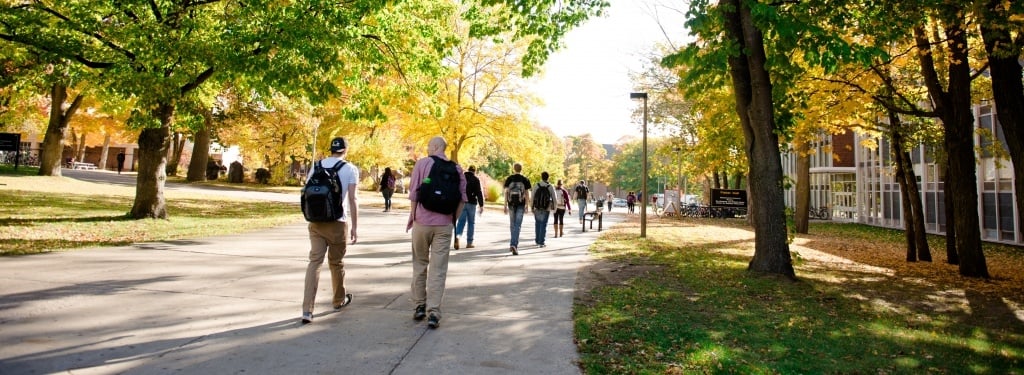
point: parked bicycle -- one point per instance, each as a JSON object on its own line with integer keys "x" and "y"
{"x": 822, "y": 213}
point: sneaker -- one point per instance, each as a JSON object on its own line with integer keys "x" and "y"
{"x": 348, "y": 300}
{"x": 307, "y": 317}
{"x": 433, "y": 321}
{"x": 456, "y": 243}
{"x": 513, "y": 249}
{"x": 470, "y": 246}
{"x": 420, "y": 313}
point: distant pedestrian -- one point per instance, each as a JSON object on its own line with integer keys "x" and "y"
{"x": 581, "y": 192}
{"x": 561, "y": 206}
{"x": 120, "y": 162}
{"x": 608, "y": 200}
{"x": 543, "y": 204}
{"x": 517, "y": 193}
{"x": 331, "y": 238}
{"x": 431, "y": 234}
{"x": 467, "y": 219}
{"x": 387, "y": 187}
{"x": 631, "y": 203}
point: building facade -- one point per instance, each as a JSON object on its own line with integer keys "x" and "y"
{"x": 852, "y": 183}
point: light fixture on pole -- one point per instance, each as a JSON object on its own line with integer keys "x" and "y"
{"x": 643, "y": 180}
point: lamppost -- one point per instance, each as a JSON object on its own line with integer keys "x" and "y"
{"x": 643, "y": 180}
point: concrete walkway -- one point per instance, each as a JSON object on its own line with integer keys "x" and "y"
{"x": 231, "y": 304}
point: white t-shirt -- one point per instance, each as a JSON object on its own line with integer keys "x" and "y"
{"x": 347, "y": 175}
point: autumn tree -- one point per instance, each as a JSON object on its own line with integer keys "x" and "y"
{"x": 720, "y": 29}
{"x": 583, "y": 158}
{"x": 1001, "y": 23}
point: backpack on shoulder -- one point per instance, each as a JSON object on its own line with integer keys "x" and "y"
{"x": 560, "y": 198}
{"x": 439, "y": 192}
{"x": 542, "y": 199}
{"x": 516, "y": 193}
{"x": 321, "y": 197}
{"x": 581, "y": 192}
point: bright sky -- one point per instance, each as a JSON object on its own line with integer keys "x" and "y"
{"x": 586, "y": 85}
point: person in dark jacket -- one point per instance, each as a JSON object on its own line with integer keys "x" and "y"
{"x": 470, "y": 210}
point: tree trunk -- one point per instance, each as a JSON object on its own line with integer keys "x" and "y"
{"x": 951, "y": 254}
{"x": 801, "y": 212}
{"x": 754, "y": 105}
{"x": 149, "y": 187}
{"x": 200, "y": 151}
{"x": 954, "y": 109}
{"x": 717, "y": 180}
{"x": 924, "y": 252}
{"x": 106, "y": 150}
{"x": 737, "y": 180}
{"x": 51, "y": 156}
{"x": 81, "y": 148}
{"x": 1007, "y": 92}
{"x": 178, "y": 145}
{"x": 899, "y": 159}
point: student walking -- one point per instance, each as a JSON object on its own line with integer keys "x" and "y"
{"x": 432, "y": 230}
{"x": 387, "y": 187}
{"x": 517, "y": 193}
{"x": 120, "y": 162}
{"x": 582, "y": 193}
{"x": 543, "y": 204}
{"x": 631, "y": 202}
{"x": 561, "y": 205}
{"x": 330, "y": 237}
{"x": 467, "y": 220}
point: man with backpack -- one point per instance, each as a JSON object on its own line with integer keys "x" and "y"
{"x": 582, "y": 193}
{"x": 437, "y": 194}
{"x": 543, "y": 204}
{"x": 329, "y": 204}
{"x": 517, "y": 194}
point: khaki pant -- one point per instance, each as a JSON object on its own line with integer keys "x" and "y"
{"x": 330, "y": 239}
{"x": 430, "y": 248}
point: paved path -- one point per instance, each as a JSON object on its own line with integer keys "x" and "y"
{"x": 230, "y": 304}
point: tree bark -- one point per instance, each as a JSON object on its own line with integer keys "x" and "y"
{"x": 200, "y": 151}
{"x": 152, "y": 172}
{"x": 801, "y": 213}
{"x": 51, "y": 159}
{"x": 106, "y": 150}
{"x": 951, "y": 254}
{"x": 178, "y": 146}
{"x": 1007, "y": 92}
{"x": 754, "y": 105}
{"x": 954, "y": 108}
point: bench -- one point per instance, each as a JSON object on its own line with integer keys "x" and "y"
{"x": 78, "y": 165}
{"x": 590, "y": 216}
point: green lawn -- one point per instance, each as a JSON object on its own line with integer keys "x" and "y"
{"x": 682, "y": 302}
{"x": 42, "y": 214}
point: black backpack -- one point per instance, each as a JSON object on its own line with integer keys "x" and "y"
{"x": 516, "y": 193}
{"x": 439, "y": 192}
{"x": 321, "y": 197}
{"x": 542, "y": 199}
{"x": 581, "y": 192}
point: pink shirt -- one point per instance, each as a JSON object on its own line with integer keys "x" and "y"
{"x": 419, "y": 172}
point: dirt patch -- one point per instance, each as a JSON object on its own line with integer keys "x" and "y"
{"x": 607, "y": 273}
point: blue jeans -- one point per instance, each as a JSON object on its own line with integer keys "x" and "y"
{"x": 581, "y": 204}
{"x": 541, "y": 228}
{"x": 515, "y": 214}
{"x": 468, "y": 216}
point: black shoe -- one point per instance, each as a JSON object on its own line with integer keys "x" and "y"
{"x": 348, "y": 300}
{"x": 514, "y": 251}
{"x": 421, "y": 312}
{"x": 433, "y": 321}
